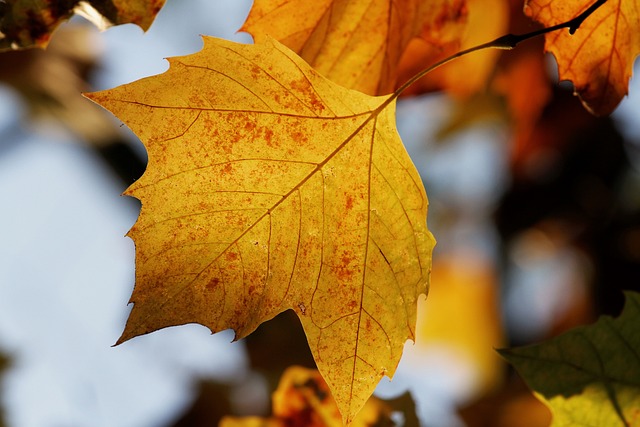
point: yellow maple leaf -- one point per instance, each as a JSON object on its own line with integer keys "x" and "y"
{"x": 271, "y": 188}
{"x": 356, "y": 43}
{"x": 598, "y": 58}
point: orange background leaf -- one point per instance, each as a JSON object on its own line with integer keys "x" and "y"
{"x": 599, "y": 57}
{"x": 357, "y": 44}
{"x": 486, "y": 20}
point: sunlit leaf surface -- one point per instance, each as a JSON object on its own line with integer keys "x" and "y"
{"x": 357, "y": 43}
{"x": 599, "y": 57}
{"x": 270, "y": 188}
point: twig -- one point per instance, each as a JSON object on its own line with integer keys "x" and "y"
{"x": 506, "y": 42}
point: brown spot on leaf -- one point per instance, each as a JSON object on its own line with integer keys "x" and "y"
{"x": 213, "y": 284}
{"x": 249, "y": 125}
{"x": 300, "y": 137}
{"x": 317, "y": 105}
{"x": 255, "y": 71}
{"x": 345, "y": 270}
{"x": 227, "y": 169}
{"x": 349, "y": 204}
{"x": 268, "y": 136}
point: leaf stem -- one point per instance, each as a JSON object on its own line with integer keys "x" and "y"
{"x": 507, "y": 42}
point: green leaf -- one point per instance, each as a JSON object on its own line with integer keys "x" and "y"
{"x": 589, "y": 376}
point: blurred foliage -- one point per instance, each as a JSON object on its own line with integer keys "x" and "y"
{"x": 406, "y": 407}
{"x": 303, "y": 399}
{"x": 30, "y": 23}
{"x": 50, "y": 83}
{"x": 462, "y": 314}
{"x": 589, "y": 376}
{"x": 278, "y": 344}
{"x": 5, "y": 363}
{"x": 570, "y": 172}
{"x": 512, "y": 405}
{"x": 210, "y": 405}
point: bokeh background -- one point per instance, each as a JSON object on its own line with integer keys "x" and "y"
{"x": 536, "y": 234}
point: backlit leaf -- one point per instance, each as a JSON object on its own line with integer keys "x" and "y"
{"x": 469, "y": 74}
{"x": 589, "y": 376}
{"x": 357, "y": 43}
{"x": 271, "y": 188}
{"x": 29, "y": 23}
{"x": 599, "y": 57}
{"x": 525, "y": 102}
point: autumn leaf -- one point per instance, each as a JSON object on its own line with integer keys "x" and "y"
{"x": 29, "y": 23}
{"x": 467, "y": 75}
{"x": 357, "y": 43}
{"x": 525, "y": 101}
{"x": 302, "y": 399}
{"x": 271, "y": 188}
{"x": 522, "y": 79}
{"x": 589, "y": 376}
{"x": 599, "y": 57}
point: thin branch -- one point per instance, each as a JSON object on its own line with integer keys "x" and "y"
{"x": 506, "y": 42}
